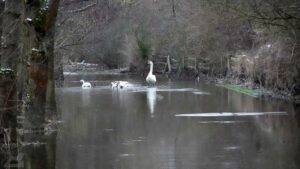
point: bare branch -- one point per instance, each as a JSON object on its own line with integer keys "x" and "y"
{"x": 83, "y": 9}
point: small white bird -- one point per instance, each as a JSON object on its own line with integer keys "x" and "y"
{"x": 151, "y": 79}
{"x": 85, "y": 85}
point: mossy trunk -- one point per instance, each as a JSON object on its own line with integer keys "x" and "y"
{"x": 12, "y": 19}
{"x": 49, "y": 46}
{"x": 1, "y": 25}
{"x": 11, "y": 30}
{"x": 8, "y": 109}
{"x": 50, "y": 94}
{"x": 1, "y": 98}
{"x": 42, "y": 101}
{"x": 297, "y": 89}
{"x": 37, "y": 70}
{"x": 8, "y": 120}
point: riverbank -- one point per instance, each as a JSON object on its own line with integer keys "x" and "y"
{"x": 252, "y": 89}
{"x": 242, "y": 86}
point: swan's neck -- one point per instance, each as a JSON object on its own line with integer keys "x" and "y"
{"x": 151, "y": 69}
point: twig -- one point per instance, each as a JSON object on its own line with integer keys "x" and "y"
{"x": 83, "y": 9}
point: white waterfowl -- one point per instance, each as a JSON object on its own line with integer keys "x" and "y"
{"x": 151, "y": 78}
{"x": 114, "y": 84}
{"x": 123, "y": 84}
{"x": 119, "y": 84}
{"x": 85, "y": 85}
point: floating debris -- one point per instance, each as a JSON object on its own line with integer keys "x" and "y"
{"x": 201, "y": 93}
{"x": 230, "y": 114}
{"x": 34, "y": 144}
{"x": 127, "y": 155}
{"x": 231, "y": 148}
{"x": 178, "y": 90}
{"x": 222, "y": 122}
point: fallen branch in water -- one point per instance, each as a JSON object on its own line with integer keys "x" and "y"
{"x": 83, "y": 9}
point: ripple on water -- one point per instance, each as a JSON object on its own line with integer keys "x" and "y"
{"x": 133, "y": 141}
{"x": 231, "y": 148}
{"x": 126, "y": 155}
{"x": 138, "y": 89}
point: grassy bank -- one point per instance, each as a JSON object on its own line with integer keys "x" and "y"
{"x": 242, "y": 89}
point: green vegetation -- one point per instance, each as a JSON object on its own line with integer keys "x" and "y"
{"x": 40, "y": 20}
{"x": 242, "y": 89}
{"x": 38, "y": 56}
{"x": 6, "y": 72}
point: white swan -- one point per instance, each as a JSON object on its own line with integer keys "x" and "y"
{"x": 85, "y": 85}
{"x": 151, "y": 79}
{"x": 119, "y": 84}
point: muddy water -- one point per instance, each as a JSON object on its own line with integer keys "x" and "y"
{"x": 174, "y": 125}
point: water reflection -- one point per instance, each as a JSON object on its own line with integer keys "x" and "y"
{"x": 117, "y": 131}
{"x": 151, "y": 99}
{"x": 86, "y": 97}
{"x": 39, "y": 151}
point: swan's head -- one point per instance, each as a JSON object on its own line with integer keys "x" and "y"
{"x": 81, "y": 81}
{"x": 150, "y": 62}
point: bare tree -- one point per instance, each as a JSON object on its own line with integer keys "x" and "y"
{"x": 10, "y": 64}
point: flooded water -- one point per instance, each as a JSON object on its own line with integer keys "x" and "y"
{"x": 173, "y": 125}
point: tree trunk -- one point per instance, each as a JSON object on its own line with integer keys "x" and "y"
{"x": 12, "y": 18}
{"x": 41, "y": 68}
{"x": 49, "y": 46}
{"x": 2, "y": 4}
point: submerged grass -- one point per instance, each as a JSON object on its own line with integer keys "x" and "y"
{"x": 242, "y": 89}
